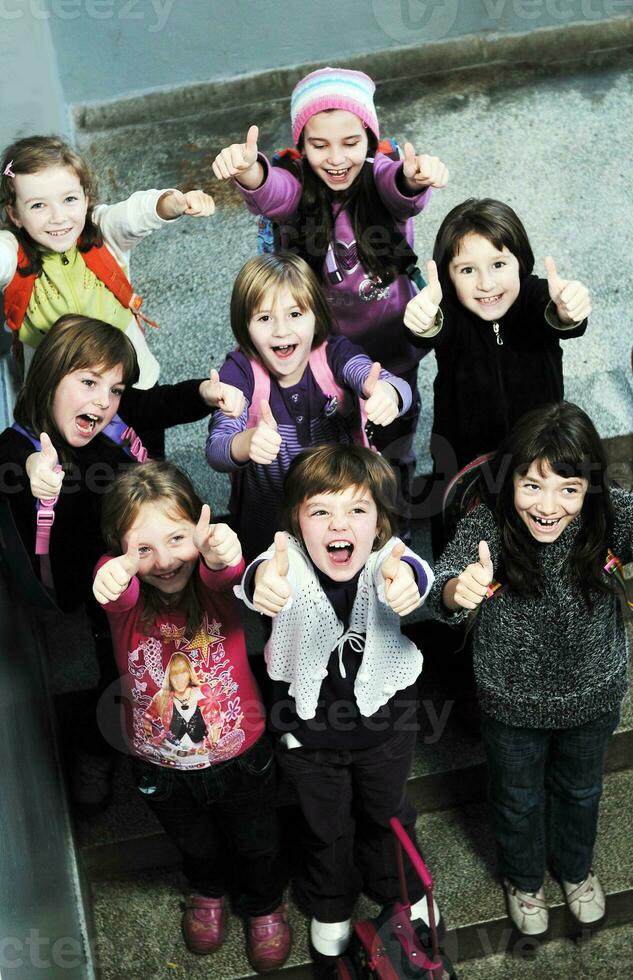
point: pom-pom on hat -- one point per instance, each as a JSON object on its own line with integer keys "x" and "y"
{"x": 333, "y": 88}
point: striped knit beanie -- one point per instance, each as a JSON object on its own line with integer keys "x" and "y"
{"x": 333, "y": 88}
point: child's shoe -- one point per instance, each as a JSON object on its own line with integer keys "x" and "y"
{"x": 204, "y": 923}
{"x": 528, "y": 910}
{"x": 586, "y": 900}
{"x": 268, "y": 941}
{"x": 330, "y": 938}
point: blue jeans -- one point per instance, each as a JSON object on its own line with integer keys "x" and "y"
{"x": 224, "y": 822}
{"x": 540, "y": 773}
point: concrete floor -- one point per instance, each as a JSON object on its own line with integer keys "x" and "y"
{"x": 557, "y": 147}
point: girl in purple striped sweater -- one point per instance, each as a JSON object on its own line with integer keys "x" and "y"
{"x": 302, "y": 387}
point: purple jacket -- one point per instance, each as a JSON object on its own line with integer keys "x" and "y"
{"x": 367, "y": 314}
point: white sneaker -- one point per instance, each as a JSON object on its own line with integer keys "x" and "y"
{"x": 330, "y": 938}
{"x": 420, "y": 911}
{"x": 586, "y": 900}
{"x": 528, "y": 910}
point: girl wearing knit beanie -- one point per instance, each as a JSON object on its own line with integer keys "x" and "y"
{"x": 347, "y": 209}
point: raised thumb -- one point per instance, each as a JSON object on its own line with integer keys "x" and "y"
{"x": 484, "y": 557}
{"x": 214, "y": 377}
{"x": 281, "y": 554}
{"x": 433, "y": 281}
{"x": 391, "y": 563}
{"x": 267, "y": 415}
{"x": 553, "y": 278}
{"x": 251, "y": 139}
{"x": 372, "y": 378}
{"x": 48, "y": 449}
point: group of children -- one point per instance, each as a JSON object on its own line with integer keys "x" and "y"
{"x": 314, "y": 414}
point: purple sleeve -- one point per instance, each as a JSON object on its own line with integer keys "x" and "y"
{"x": 401, "y": 206}
{"x": 222, "y": 430}
{"x": 351, "y": 366}
{"x": 421, "y": 577}
{"x": 277, "y": 197}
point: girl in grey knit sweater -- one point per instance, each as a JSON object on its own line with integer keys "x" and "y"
{"x": 550, "y": 651}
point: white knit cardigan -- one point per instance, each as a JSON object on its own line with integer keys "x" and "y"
{"x": 307, "y": 630}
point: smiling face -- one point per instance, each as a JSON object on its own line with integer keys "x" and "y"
{"x": 282, "y": 334}
{"x": 486, "y": 280}
{"x": 85, "y": 402}
{"x": 547, "y": 502}
{"x": 50, "y": 206}
{"x": 335, "y": 145}
{"x": 339, "y": 531}
{"x": 166, "y": 550}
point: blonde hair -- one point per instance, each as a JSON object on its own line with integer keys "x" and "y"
{"x": 273, "y": 272}
{"x": 160, "y": 483}
{"x": 332, "y": 469}
{"x": 162, "y": 698}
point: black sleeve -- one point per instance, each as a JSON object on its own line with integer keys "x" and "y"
{"x": 539, "y": 312}
{"x": 162, "y": 406}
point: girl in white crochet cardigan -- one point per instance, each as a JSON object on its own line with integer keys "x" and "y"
{"x": 344, "y": 697}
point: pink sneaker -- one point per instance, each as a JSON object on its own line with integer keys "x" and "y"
{"x": 268, "y": 942}
{"x": 204, "y": 923}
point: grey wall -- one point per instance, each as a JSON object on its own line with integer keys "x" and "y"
{"x": 109, "y": 49}
{"x": 32, "y": 100}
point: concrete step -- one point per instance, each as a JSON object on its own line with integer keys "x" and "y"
{"x": 138, "y": 916}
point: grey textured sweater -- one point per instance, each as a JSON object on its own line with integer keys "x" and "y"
{"x": 548, "y": 662}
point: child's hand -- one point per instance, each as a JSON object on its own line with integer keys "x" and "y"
{"x": 113, "y": 578}
{"x": 217, "y": 543}
{"x": 382, "y": 404}
{"x": 44, "y": 472}
{"x": 401, "y": 588}
{"x": 572, "y": 300}
{"x": 420, "y": 312}
{"x": 173, "y": 204}
{"x": 238, "y": 159}
{"x": 272, "y": 589}
{"x": 266, "y": 441}
{"x": 217, "y": 394}
{"x": 471, "y": 587}
{"x": 423, "y": 170}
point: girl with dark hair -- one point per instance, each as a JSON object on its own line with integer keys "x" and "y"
{"x": 347, "y": 209}
{"x": 497, "y": 337}
{"x": 62, "y": 252}
{"x": 550, "y": 649}
{"x": 195, "y": 723}
{"x": 344, "y": 697}
{"x": 303, "y": 387}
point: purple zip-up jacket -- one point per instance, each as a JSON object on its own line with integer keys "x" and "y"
{"x": 367, "y": 313}
{"x": 303, "y": 420}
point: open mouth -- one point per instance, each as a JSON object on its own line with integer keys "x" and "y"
{"x": 546, "y": 525}
{"x": 168, "y": 576}
{"x": 489, "y": 300}
{"x": 86, "y": 423}
{"x": 284, "y": 351}
{"x": 60, "y": 233}
{"x": 340, "y": 552}
{"x": 338, "y": 176}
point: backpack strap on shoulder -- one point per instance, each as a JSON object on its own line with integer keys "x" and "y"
{"x": 44, "y": 519}
{"x": 339, "y": 399}
{"x": 261, "y": 391}
{"x": 18, "y": 293}
{"x": 102, "y": 262}
{"x": 124, "y": 435}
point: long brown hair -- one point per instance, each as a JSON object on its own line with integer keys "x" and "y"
{"x": 29, "y": 156}
{"x": 73, "y": 343}
{"x": 164, "y": 485}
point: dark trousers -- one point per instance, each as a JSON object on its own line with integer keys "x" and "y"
{"x": 539, "y": 773}
{"x": 395, "y": 443}
{"x": 347, "y": 799}
{"x": 224, "y": 822}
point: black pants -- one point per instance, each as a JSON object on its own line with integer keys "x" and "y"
{"x": 224, "y": 822}
{"x": 347, "y": 799}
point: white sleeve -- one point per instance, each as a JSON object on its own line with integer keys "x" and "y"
{"x": 127, "y": 223}
{"x": 379, "y": 582}
{"x": 8, "y": 257}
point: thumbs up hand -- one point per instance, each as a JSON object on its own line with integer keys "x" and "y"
{"x": 113, "y": 578}
{"x": 173, "y": 204}
{"x": 421, "y": 310}
{"x": 217, "y": 543}
{"x": 572, "y": 300}
{"x": 272, "y": 588}
{"x": 401, "y": 589}
{"x": 382, "y": 398}
{"x": 265, "y": 441}
{"x": 423, "y": 170}
{"x": 44, "y": 472}
{"x": 471, "y": 586}
{"x": 240, "y": 160}
{"x": 218, "y": 394}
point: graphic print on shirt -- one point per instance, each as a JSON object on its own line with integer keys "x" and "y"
{"x": 347, "y": 262}
{"x": 186, "y": 710}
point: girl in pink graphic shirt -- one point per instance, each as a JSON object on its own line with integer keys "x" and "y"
{"x": 195, "y": 727}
